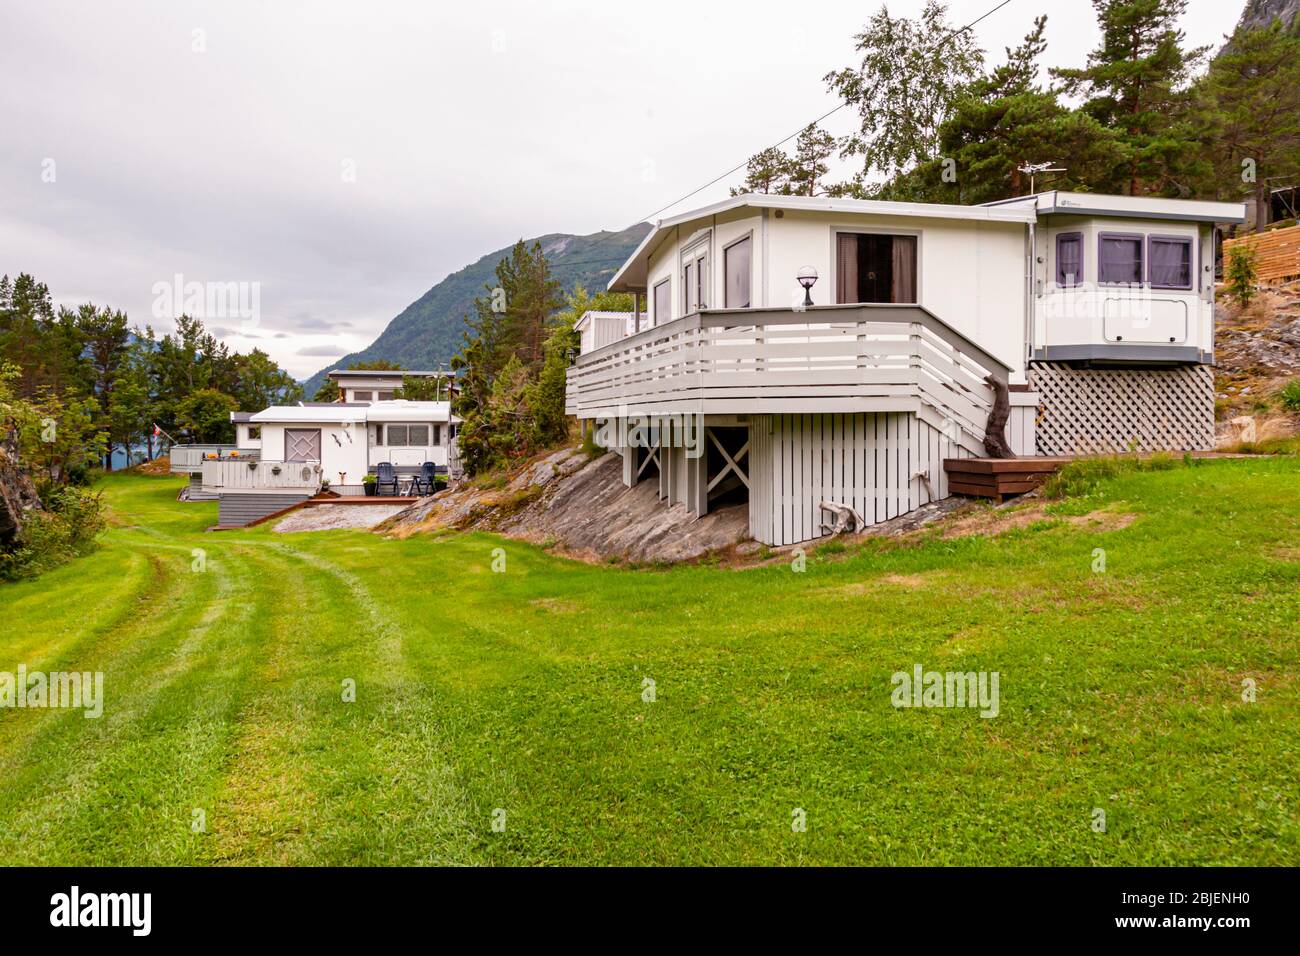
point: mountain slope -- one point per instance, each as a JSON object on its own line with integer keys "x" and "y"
{"x": 428, "y": 331}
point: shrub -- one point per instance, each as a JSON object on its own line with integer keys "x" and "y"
{"x": 1290, "y": 396}
{"x": 1242, "y": 274}
{"x": 66, "y": 529}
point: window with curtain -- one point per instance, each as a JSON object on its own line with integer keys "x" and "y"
{"x": 736, "y": 259}
{"x": 1119, "y": 259}
{"x": 1171, "y": 262}
{"x": 873, "y": 267}
{"x": 663, "y": 310}
{"x": 1069, "y": 259}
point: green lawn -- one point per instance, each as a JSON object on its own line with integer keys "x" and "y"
{"x": 522, "y": 691}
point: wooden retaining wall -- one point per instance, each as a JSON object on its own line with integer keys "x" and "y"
{"x": 1278, "y": 252}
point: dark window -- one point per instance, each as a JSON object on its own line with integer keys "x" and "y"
{"x": 385, "y": 396}
{"x": 875, "y": 268}
{"x": 254, "y": 432}
{"x": 1069, "y": 259}
{"x": 396, "y": 435}
{"x": 417, "y": 435}
{"x": 1119, "y": 259}
{"x": 695, "y": 282}
{"x": 437, "y": 434}
{"x": 1170, "y": 262}
{"x": 363, "y": 396}
{"x": 736, "y": 260}
{"x": 662, "y": 303}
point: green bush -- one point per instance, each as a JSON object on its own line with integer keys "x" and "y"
{"x": 1290, "y": 396}
{"x": 67, "y": 528}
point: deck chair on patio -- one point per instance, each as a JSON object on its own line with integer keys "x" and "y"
{"x": 387, "y": 476}
{"x": 424, "y": 481}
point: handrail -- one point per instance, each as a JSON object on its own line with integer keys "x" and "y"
{"x": 831, "y": 358}
{"x": 771, "y": 315}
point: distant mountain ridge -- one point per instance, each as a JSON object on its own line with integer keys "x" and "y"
{"x": 428, "y": 331}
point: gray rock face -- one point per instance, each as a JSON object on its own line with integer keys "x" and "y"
{"x": 580, "y": 506}
{"x": 17, "y": 497}
{"x": 1260, "y": 13}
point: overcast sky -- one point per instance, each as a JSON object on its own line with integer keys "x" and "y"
{"x": 345, "y": 156}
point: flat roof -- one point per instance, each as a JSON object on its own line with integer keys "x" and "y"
{"x": 1056, "y": 202}
{"x": 632, "y": 275}
{"x": 338, "y": 413}
{"x": 385, "y": 373}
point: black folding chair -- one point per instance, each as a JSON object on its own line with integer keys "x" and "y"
{"x": 424, "y": 481}
{"x": 387, "y": 479}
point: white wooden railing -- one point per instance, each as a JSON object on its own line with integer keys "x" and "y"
{"x": 825, "y": 359}
{"x": 189, "y": 458}
{"x": 242, "y": 475}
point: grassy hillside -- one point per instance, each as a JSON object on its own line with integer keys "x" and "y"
{"x": 522, "y": 692}
{"x": 428, "y": 331}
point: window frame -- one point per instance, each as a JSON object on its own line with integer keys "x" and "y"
{"x": 254, "y": 432}
{"x": 1191, "y": 261}
{"x": 1142, "y": 252}
{"x": 1083, "y": 246}
{"x": 726, "y": 284}
{"x": 357, "y": 393}
{"x": 837, "y": 231}
{"x": 695, "y": 257}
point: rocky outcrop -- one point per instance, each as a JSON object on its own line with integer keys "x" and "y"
{"x": 17, "y": 498}
{"x": 1260, "y": 13}
{"x": 579, "y": 507}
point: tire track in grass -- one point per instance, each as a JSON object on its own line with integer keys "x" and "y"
{"x": 112, "y": 790}
{"x": 386, "y": 789}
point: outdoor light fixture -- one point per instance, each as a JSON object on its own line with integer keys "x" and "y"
{"x": 807, "y": 277}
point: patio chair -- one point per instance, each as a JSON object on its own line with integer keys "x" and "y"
{"x": 423, "y": 483}
{"x": 387, "y": 479}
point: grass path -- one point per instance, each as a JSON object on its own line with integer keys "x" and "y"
{"x": 520, "y": 693}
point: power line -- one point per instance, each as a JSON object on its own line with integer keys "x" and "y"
{"x": 736, "y": 169}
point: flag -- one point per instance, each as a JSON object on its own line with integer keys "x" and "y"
{"x": 156, "y": 430}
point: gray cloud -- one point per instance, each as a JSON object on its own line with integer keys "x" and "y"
{"x": 467, "y": 126}
{"x": 322, "y": 351}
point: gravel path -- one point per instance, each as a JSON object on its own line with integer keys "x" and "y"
{"x": 330, "y": 517}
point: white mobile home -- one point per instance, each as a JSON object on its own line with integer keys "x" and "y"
{"x": 287, "y": 453}
{"x": 794, "y": 351}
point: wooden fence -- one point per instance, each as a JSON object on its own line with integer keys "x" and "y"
{"x": 1277, "y": 251}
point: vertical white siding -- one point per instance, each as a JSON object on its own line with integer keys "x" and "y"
{"x": 867, "y": 461}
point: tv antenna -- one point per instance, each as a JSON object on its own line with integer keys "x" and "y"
{"x": 1033, "y": 169}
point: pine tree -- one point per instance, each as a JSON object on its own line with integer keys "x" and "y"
{"x": 1136, "y": 83}
{"x": 1249, "y": 101}
{"x": 767, "y": 171}
{"x": 1000, "y": 122}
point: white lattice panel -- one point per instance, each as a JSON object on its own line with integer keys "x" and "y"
{"x": 1095, "y": 411}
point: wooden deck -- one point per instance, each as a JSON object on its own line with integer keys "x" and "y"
{"x": 998, "y": 478}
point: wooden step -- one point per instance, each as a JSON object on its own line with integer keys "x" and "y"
{"x": 998, "y": 478}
